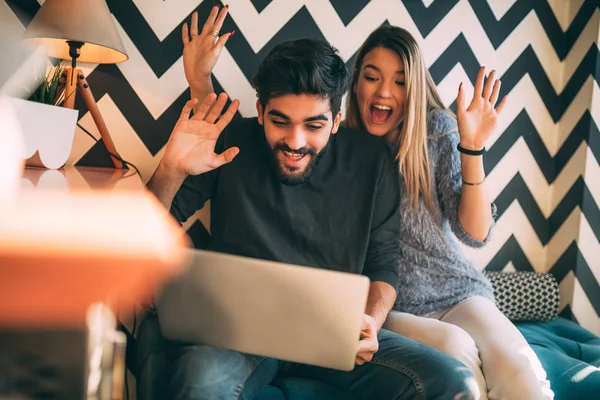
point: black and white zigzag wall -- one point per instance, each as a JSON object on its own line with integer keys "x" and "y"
{"x": 543, "y": 164}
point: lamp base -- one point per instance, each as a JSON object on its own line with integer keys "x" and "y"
{"x": 74, "y": 79}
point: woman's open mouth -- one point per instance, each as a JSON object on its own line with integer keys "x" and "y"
{"x": 379, "y": 114}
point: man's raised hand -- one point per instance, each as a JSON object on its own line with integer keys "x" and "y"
{"x": 191, "y": 147}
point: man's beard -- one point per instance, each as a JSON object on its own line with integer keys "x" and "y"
{"x": 283, "y": 174}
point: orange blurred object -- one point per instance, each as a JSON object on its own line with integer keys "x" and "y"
{"x": 79, "y": 236}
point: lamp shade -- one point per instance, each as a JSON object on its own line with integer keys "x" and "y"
{"x": 86, "y": 21}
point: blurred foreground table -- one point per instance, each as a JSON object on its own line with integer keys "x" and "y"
{"x": 75, "y": 237}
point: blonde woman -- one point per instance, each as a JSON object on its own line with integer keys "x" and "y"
{"x": 443, "y": 300}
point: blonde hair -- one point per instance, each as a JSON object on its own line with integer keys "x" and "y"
{"x": 421, "y": 96}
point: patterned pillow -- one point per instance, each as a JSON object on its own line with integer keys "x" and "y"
{"x": 525, "y": 296}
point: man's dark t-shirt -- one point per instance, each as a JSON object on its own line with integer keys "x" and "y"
{"x": 343, "y": 217}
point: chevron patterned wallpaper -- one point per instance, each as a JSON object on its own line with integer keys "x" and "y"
{"x": 542, "y": 165}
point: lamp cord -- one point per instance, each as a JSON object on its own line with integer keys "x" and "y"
{"x": 127, "y": 163}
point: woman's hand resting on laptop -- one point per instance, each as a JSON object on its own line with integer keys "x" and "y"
{"x": 191, "y": 147}
{"x": 368, "y": 344}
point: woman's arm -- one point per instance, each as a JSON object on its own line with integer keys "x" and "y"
{"x": 474, "y": 212}
{"x": 449, "y": 178}
{"x": 476, "y": 123}
{"x": 201, "y": 50}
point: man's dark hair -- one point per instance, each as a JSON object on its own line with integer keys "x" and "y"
{"x": 304, "y": 66}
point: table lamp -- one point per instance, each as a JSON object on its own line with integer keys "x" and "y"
{"x": 80, "y": 30}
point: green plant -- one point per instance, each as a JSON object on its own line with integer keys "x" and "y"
{"x": 49, "y": 89}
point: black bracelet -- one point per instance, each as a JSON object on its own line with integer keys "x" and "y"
{"x": 470, "y": 152}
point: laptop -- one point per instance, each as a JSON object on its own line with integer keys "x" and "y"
{"x": 288, "y": 312}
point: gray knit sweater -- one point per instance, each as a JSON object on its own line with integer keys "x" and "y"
{"x": 434, "y": 274}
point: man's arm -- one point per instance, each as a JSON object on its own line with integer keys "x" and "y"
{"x": 383, "y": 254}
{"x": 380, "y": 301}
{"x": 381, "y": 264}
{"x": 164, "y": 184}
{"x": 189, "y": 163}
{"x": 382, "y": 297}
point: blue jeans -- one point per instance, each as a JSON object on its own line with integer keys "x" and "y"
{"x": 401, "y": 369}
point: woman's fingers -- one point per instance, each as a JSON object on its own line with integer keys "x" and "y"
{"x": 489, "y": 85}
{"x": 210, "y": 21}
{"x": 194, "y": 25}
{"x": 479, "y": 83}
{"x": 185, "y": 34}
{"x": 501, "y": 105}
{"x": 223, "y": 40}
{"x": 219, "y": 21}
{"x": 495, "y": 93}
{"x": 460, "y": 99}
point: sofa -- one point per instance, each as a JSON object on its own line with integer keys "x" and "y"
{"x": 569, "y": 353}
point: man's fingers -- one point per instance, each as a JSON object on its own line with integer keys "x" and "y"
{"x": 228, "y": 115}
{"x": 229, "y": 154}
{"x": 364, "y": 357}
{"x": 185, "y": 34}
{"x": 215, "y": 110}
{"x": 367, "y": 346}
{"x": 367, "y": 357}
{"x": 219, "y": 21}
{"x": 187, "y": 109}
{"x": 210, "y": 21}
{"x": 201, "y": 112}
{"x": 194, "y": 25}
{"x": 225, "y": 157}
{"x": 489, "y": 84}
